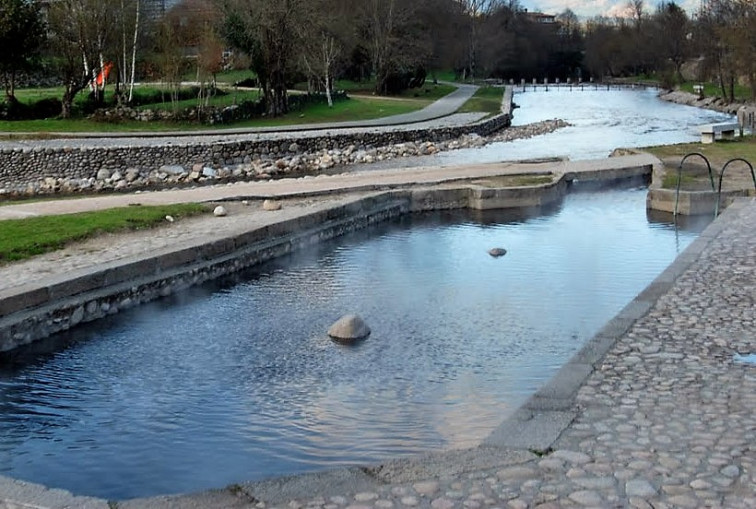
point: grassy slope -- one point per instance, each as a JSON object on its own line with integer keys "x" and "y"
{"x": 356, "y": 108}
{"x": 694, "y": 171}
{"x": 24, "y": 238}
{"x": 486, "y": 99}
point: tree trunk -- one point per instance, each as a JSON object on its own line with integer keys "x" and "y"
{"x": 66, "y": 102}
{"x": 328, "y": 88}
{"x": 134, "y": 51}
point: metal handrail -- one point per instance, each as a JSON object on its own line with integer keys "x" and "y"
{"x": 679, "y": 176}
{"x": 719, "y": 191}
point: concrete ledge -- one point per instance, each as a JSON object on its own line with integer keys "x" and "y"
{"x": 690, "y": 203}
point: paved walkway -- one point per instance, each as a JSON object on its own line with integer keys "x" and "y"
{"x": 440, "y": 113}
{"x": 321, "y": 184}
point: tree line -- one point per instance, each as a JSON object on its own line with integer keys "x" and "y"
{"x": 397, "y": 44}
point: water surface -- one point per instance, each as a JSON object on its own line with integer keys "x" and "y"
{"x": 233, "y": 382}
{"x": 601, "y": 121}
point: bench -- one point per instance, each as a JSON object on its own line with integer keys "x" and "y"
{"x": 709, "y": 132}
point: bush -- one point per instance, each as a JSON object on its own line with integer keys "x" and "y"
{"x": 247, "y": 83}
{"x": 44, "y": 108}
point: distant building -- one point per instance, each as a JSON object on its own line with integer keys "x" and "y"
{"x": 540, "y": 17}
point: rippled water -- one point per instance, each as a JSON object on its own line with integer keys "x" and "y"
{"x": 602, "y": 120}
{"x": 233, "y": 382}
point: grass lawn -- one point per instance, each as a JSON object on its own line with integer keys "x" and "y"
{"x": 356, "y": 108}
{"x": 694, "y": 172}
{"x": 486, "y": 99}
{"x": 232, "y": 97}
{"x": 24, "y": 238}
{"x": 742, "y": 93}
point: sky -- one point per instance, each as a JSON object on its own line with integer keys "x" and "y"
{"x": 591, "y": 8}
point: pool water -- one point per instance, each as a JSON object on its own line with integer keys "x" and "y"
{"x": 237, "y": 380}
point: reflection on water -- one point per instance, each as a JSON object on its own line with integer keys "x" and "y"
{"x": 239, "y": 381}
{"x": 601, "y": 121}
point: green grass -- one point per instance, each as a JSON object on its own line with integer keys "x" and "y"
{"x": 24, "y": 238}
{"x": 233, "y": 97}
{"x": 428, "y": 92}
{"x": 224, "y": 77}
{"x": 355, "y": 108}
{"x": 742, "y": 93}
{"x": 486, "y": 100}
{"x": 695, "y": 174}
{"x": 717, "y": 153}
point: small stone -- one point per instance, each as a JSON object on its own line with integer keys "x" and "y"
{"x": 271, "y": 205}
{"x": 365, "y": 497}
{"x": 586, "y": 497}
{"x": 731, "y": 471}
{"x": 426, "y": 488}
{"x": 700, "y": 484}
{"x": 442, "y": 503}
{"x": 220, "y": 211}
{"x": 348, "y": 328}
{"x": 410, "y": 501}
{"x": 572, "y": 456}
{"x": 639, "y": 488}
{"x": 496, "y": 252}
{"x": 170, "y": 219}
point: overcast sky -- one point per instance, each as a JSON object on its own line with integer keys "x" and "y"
{"x": 591, "y": 8}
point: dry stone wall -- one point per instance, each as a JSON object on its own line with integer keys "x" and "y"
{"x": 50, "y": 170}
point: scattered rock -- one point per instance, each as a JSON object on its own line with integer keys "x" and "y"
{"x": 349, "y": 328}
{"x": 169, "y": 219}
{"x": 271, "y": 205}
{"x": 496, "y": 252}
{"x": 220, "y": 211}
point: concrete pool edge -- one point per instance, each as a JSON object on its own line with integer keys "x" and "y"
{"x": 549, "y": 412}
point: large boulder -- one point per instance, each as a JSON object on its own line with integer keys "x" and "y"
{"x": 349, "y": 328}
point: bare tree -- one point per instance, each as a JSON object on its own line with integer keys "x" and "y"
{"x": 269, "y": 31}
{"x": 475, "y": 11}
{"x": 672, "y": 35}
{"x": 79, "y": 31}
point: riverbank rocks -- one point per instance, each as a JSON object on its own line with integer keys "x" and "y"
{"x": 496, "y": 252}
{"x": 220, "y": 211}
{"x": 271, "y": 205}
{"x": 219, "y": 163}
{"x": 349, "y": 328}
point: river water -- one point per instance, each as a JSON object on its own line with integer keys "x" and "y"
{"x": 238, "y": 380}
{"x": 601, "y": 121}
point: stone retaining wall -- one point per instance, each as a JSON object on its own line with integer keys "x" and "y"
{"x": 40, "y": 170}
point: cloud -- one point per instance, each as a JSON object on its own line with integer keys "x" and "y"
{"x": 591, "y": 8}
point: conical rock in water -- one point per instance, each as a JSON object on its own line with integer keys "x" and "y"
{"x": 349, "y": 327}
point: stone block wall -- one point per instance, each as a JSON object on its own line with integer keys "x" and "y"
{"x": 48, "y": 170}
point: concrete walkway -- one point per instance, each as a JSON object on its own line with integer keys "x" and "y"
{"x": 323, "y": 184}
